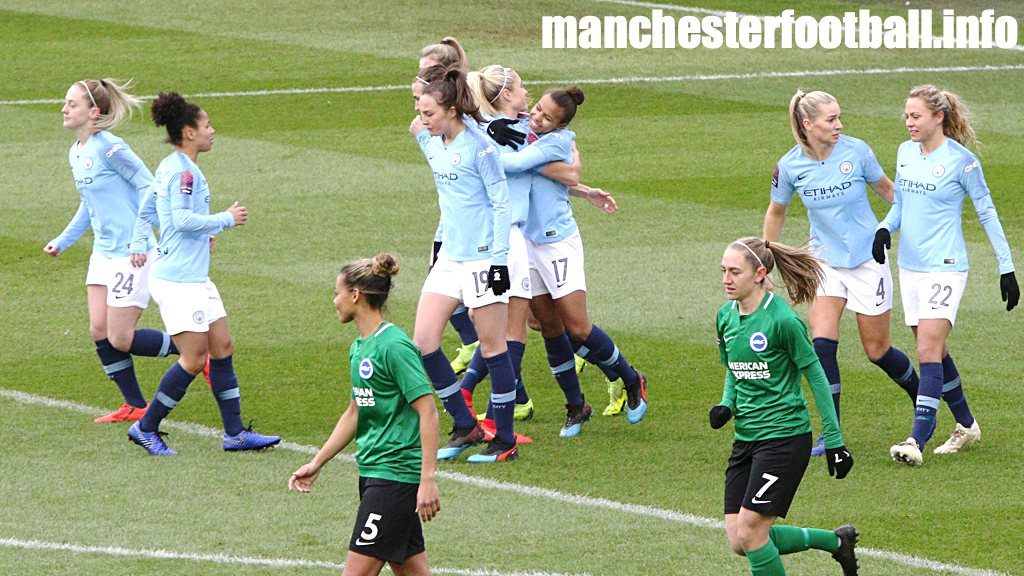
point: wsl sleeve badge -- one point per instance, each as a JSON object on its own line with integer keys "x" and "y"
{"x": 186, "y": 183}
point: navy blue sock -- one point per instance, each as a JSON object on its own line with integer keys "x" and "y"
{"x": 563, "y": 368}
{"x": 441, "y": 375}
{"x": 516, "y": 350}
{"x": 599, "y": 349}
{"x": 927, "y": 402}
{"x": 224, "y": 384}
{"x": 953, "y": 393}
{"x": 464, "y": 326}
{"x": 149, "y": 342}
{"x": 899, "y": 368}
{"x": 475, "y": 372}
{"x": 503, "y": 396}
{"x": 120, "y": 368}
{"x": 826, "y": 349}
{"x": 172, "y": 389}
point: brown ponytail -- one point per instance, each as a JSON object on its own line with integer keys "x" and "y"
{"x": 800, "y": 270}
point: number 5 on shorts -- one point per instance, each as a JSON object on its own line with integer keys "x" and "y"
{"x": 371, "y": 529}
{"x": 770, "y": 480}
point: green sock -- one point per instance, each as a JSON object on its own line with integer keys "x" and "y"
{"x": 765, "y": 561}
{"x": 790, "y": 539}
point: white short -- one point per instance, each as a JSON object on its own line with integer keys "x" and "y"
{"x": 931, "y": 295}
{"x": 126, "y": 285}
{"x": 557, "y": 268}
{"x": 187, "y": 306}
{"x": 866, "y": 288}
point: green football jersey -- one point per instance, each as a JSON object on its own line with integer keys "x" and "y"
{"x": 387, "y": 376}
{"x": 765, "y": 351}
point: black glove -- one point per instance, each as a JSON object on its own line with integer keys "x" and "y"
{"x": 839, "y": 462}
{"x": 1010, "y": 290}
{"x": 719, "y": 415}
{"x": 501, "y": 131}
{"x": 882, "y": 238}
{"x": 433, "y": 255}
{"x": 498, "y": 280}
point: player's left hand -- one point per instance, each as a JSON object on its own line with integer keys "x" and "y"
{"x": 1009, "y": 289}
{"x": 840, "y": 461}
{"x": 498, "y": 280}
{"x": 501, "y": 131}
{"x": 428, "y": 500}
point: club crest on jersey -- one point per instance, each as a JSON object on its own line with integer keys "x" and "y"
{"x": 186, "y": 183}
{"x": 938, "y": 171}
{"x": 365, "y": 369}
{"x": 87, "y": 163}
{"x": 456, "y": 159}
{"x": 758, "y": 342}
{"x": 846, "y": 167}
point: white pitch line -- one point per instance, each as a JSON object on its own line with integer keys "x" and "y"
{"x": 615, "y": 80}
{"x": 532, "y": 491}
{"x": 161, "y": 554}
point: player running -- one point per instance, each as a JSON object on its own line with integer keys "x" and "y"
{"x": 190, "y": 304}
{"x": 111, "y": 181}
{"x": 765, "y": 350}
{"x": 935, "y": 173}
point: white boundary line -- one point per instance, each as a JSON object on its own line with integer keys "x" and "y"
{"x": 161, "y": 554}
{"x": 616, "y": 80}
{"x": 640, "y": 510}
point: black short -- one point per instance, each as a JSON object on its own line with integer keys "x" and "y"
{"x": 387, "y": 526}
{"x": 763, "y": 476}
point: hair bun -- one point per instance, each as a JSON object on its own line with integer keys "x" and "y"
{"x": 167, "y": 107}
{"x": 384, "y": 264}
{"x": 576, "y": 94}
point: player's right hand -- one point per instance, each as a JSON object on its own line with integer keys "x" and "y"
{"x": 498, "y": 280}
{"x": 302, "y": 479}
{"x": 719, "y": 416}
{"x": 239, "y": 213}
{"x": 883, "y": 240}
{"x": 51, "y": 250}
{"x": 501, "y": 131}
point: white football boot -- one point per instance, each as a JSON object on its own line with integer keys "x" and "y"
{"x": 908, "y": 452}
{"x": 961, "y": 438}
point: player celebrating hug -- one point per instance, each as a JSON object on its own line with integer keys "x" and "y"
{"x": 765, "y": 349}
{"x": 935, "y": 173}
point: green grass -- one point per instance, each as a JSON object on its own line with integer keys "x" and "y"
{"x": 329, "y": 177}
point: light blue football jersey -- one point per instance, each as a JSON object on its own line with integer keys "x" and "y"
{"x": 834, "y": 192}
{"x": 519, "y": 183}
{"x": 111, "y": 180}
{"x": 550, "y": 217}
{"x": 928, "y": 207}
{"x": 183, "y": 206}
{"x": 472, "y": 194}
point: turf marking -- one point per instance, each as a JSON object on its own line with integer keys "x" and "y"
{"x": 615, "y": 80}
{"x": 532, "y": 491}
